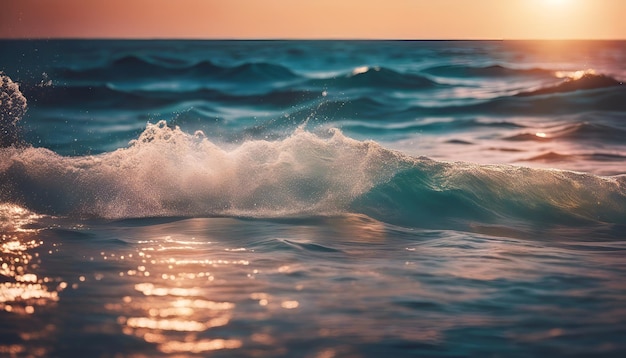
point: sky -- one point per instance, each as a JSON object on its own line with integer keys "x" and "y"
{"x": 316, "y": 19}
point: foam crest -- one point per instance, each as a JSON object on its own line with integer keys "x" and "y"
{"x": 169, "y": 172}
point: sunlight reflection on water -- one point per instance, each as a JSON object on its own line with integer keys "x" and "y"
{"x": 23, "y": 292}
{"x": 173, "y": 311}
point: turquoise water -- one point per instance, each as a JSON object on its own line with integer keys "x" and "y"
{"x": 312, "y": 198}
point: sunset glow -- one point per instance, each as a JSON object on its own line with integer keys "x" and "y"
{"x": 401, "y": 19}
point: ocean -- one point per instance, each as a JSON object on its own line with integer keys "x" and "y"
{"x": 178, "y": 198}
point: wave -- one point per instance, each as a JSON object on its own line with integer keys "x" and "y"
{"x": 167, "y": 172}
{"x": 140, "y": 72}
{"x": 302, "y": 104}
{"x": 587, "y": 81}
{"x": 612, "y": 98}
{"x": 258, "y": 72}
{"x": 108, "y": 96}
{"x": 464, "y": 71}
{"x": 136, "y": 68}
{"x": 96, "y": 96}
{"x": 435, "y": 194}
{"x": 266, "y": 84}
{"x": 375, "y": 78}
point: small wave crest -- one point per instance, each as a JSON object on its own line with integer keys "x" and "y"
{"x": 578, "y": 81}
{"x": 376, "y": 77}
{"x": 147, "y": 72}
{"x": 464, "y": 71}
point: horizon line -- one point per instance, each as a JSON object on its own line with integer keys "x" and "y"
{"x": 158, "y": 38}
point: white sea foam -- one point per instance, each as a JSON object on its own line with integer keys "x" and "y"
{"x": 169, "y": 172}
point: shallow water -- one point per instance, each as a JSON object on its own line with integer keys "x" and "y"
{"x": 312, "y": 198}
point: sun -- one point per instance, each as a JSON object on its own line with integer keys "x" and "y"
{"x": 556, "y": 5}
{"x": 556, "y": 2}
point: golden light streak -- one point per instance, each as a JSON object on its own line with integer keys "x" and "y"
{"x": 173, "y": 300}
{"x": 200, "y": 346}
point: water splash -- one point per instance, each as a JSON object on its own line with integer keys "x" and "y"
{"x": 169, "y": 172}
{"x": 12, "y": 109}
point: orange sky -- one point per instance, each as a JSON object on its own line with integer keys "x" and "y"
{"x": 396, "y": 19}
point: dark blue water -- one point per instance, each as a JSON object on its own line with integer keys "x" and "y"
{"x": 312, "y": 198}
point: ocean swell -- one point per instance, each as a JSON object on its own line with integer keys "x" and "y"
{"x": 586, "y": 81}
{"x": 133, "y": 68}
{"x": 464, "y": 71}
{"x": 437, "y": 194}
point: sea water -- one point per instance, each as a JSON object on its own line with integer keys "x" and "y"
{"x": 312, "y": 198}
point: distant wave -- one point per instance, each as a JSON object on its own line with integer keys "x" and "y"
{"x": 258, "y": 71}
{"x": 465, "y": 71}
{"x": 304, "y": 103}
{"x": 133, "y": 68}
{"x": 376, "y": 77}
{"x": 89, "y": 97}
{"x": 587, "y": 82}
{"x": 611, "y": 98}
{"x": 147, "y": 83}
{"x": 109, "y": 96}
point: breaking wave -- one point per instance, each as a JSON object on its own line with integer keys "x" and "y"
{"x": 167, "y": 172}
